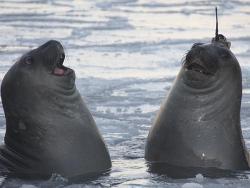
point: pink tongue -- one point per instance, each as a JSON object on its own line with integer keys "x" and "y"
{"x": 58, "y": 71}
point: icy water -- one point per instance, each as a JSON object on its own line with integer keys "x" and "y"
{"x": 126, "y": 54}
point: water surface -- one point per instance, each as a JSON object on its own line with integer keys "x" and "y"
{"x": 126, "y": 54}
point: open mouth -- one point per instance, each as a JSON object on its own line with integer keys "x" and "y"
{"x": 197, "y": 67}
{"x": 60, "y": 69}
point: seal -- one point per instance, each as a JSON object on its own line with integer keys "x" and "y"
{"x": 48, "y": 126}
{"x": 198, "y": 124}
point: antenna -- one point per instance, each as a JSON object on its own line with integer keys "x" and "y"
{"x": 216, "y": 30}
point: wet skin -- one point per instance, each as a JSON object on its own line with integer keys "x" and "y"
{"x": 198, "y": 124}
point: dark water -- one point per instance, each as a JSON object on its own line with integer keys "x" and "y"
{"x": 126, "y": 54}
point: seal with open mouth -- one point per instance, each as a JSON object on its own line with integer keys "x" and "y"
{"x": 48, "y": 127}
{"x": 198, "y": 125}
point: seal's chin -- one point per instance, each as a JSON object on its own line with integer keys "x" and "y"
{"x": 59, "y": 69}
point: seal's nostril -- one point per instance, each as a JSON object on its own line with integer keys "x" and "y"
{"x": 62, "y": 57}
{"x": 59, "y": 46}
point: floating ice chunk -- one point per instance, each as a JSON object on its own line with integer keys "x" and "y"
{"x": 199, "y": 178}
{"x": 58, "y": 178}
{"x": 192, "y": 185}
{"x": 28, "y": 186}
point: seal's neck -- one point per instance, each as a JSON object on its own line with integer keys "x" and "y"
{"x": 223, "y": 96}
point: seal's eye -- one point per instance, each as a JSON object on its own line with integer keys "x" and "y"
{"x": 28, "y": 60}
